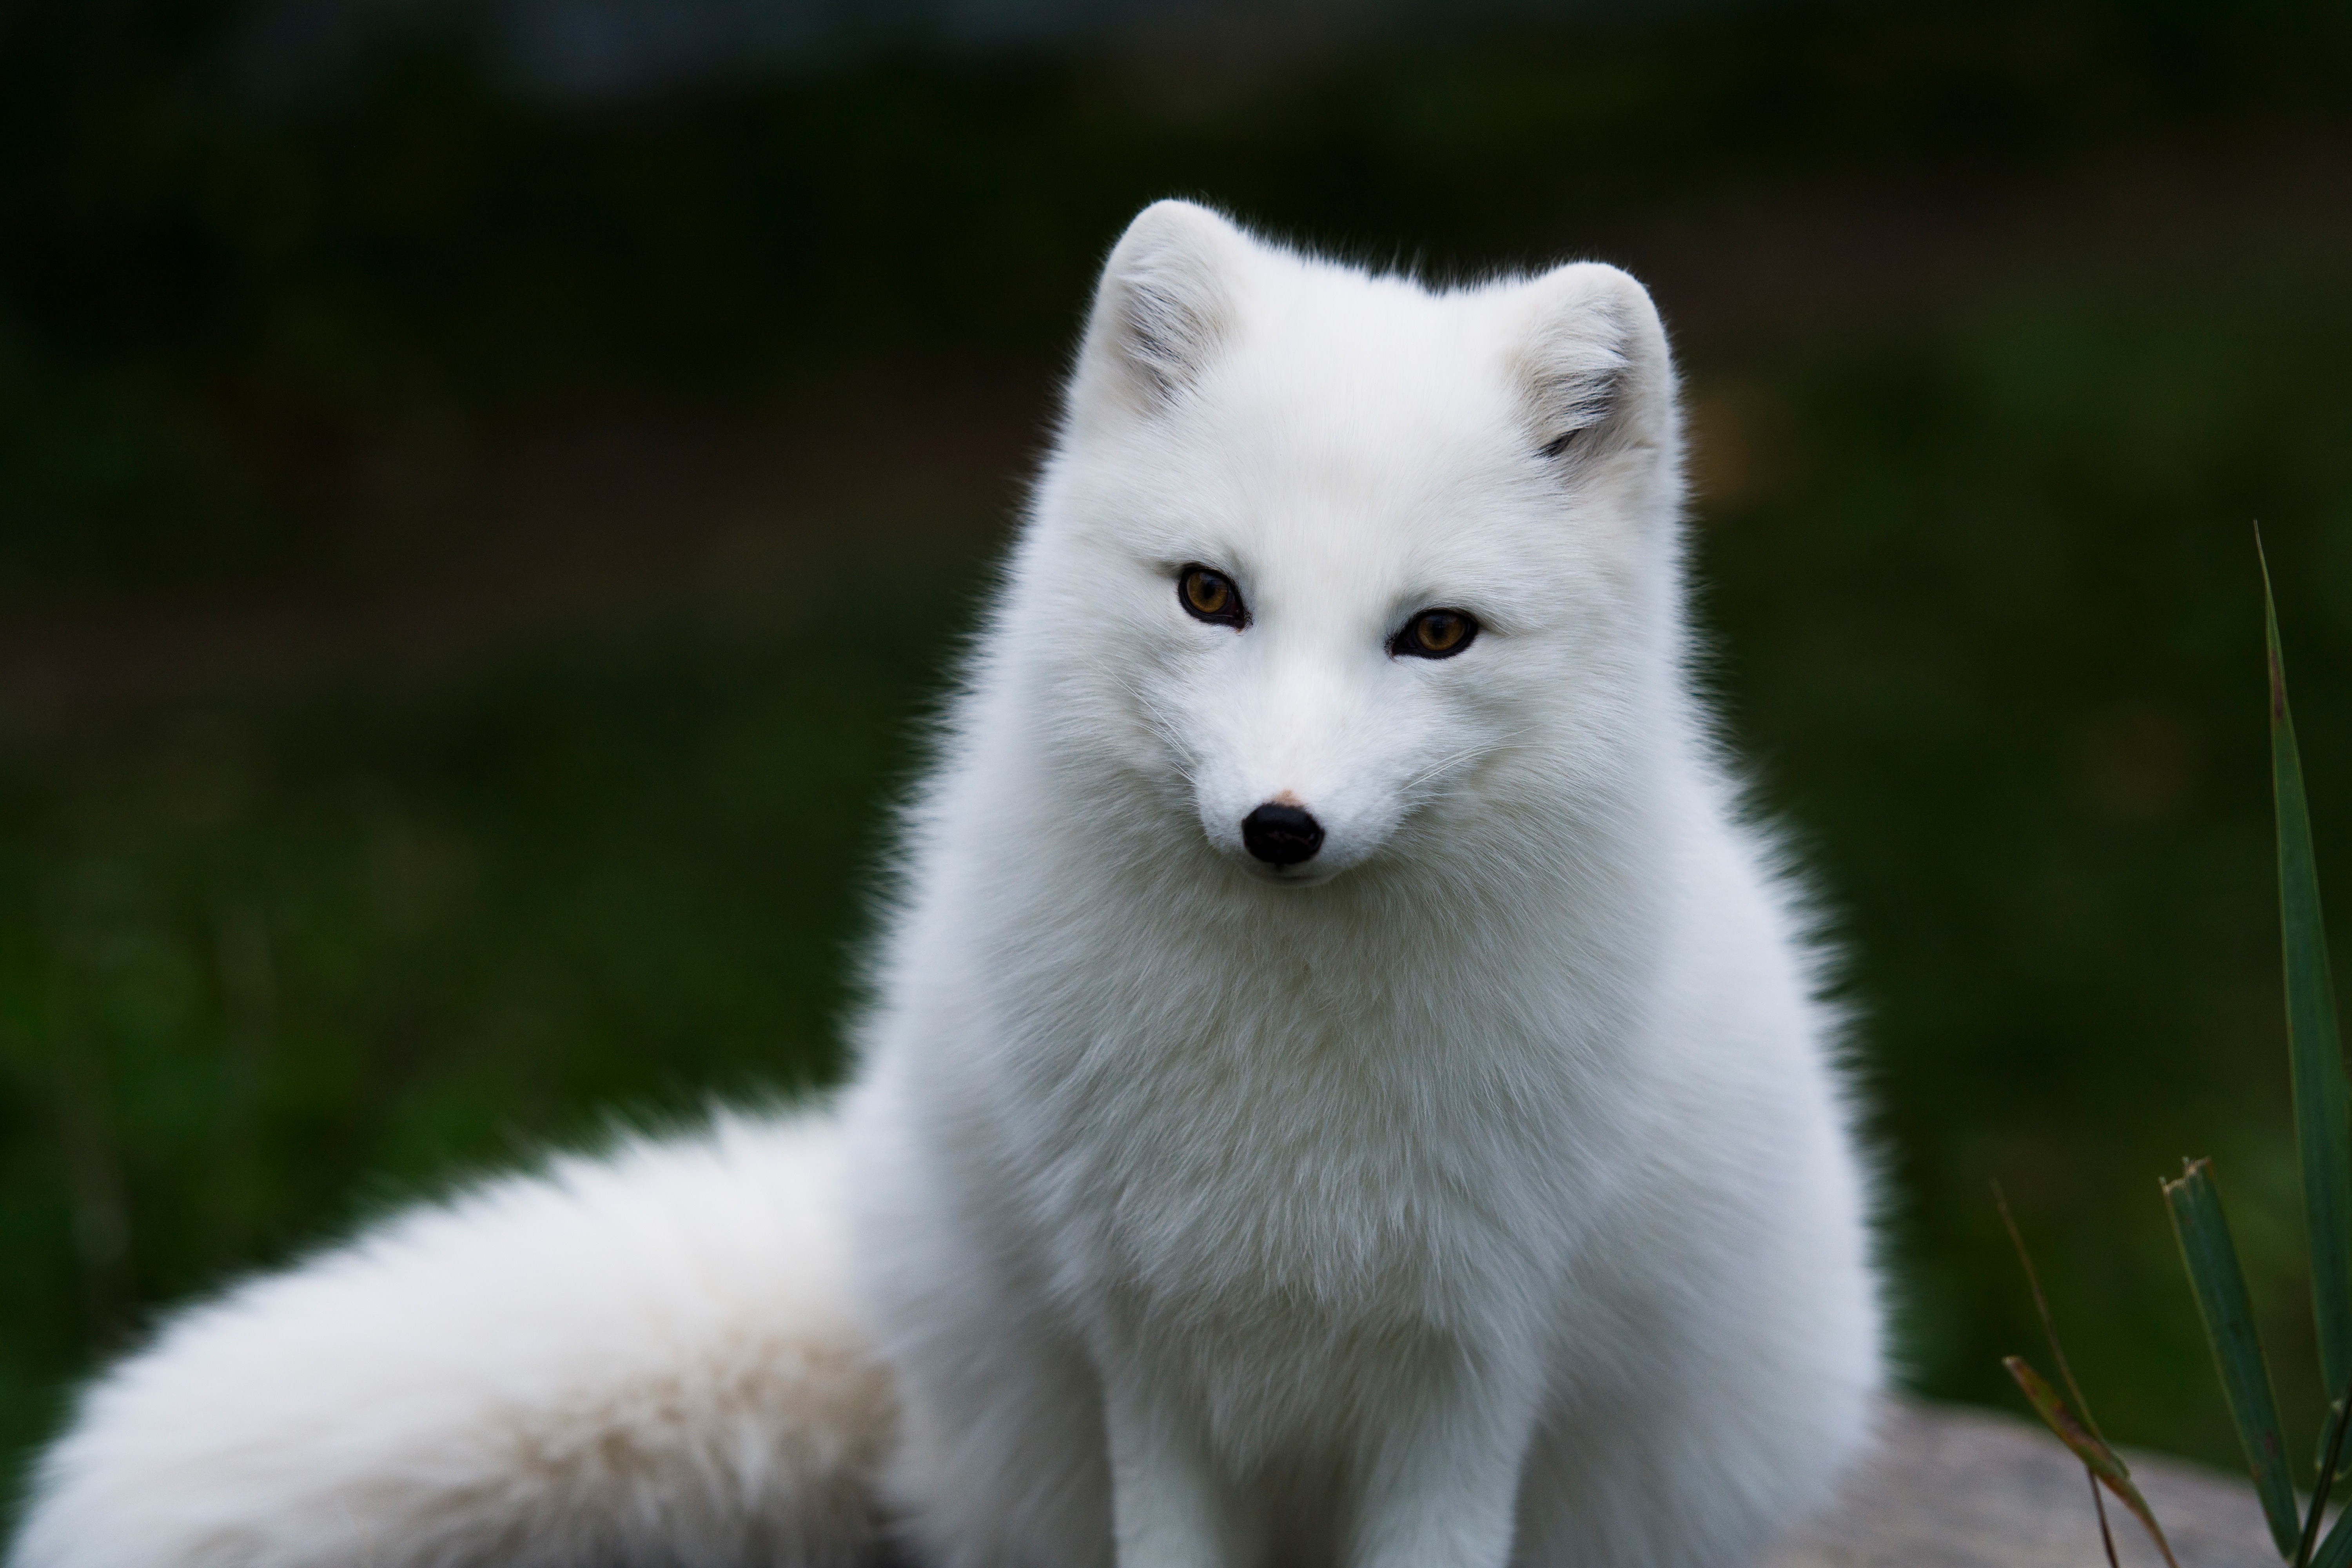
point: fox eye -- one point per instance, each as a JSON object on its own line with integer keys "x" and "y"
{"x": 1209, "y": 595}
{"x": 1435, "y": 634}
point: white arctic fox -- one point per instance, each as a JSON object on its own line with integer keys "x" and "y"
{"x": 1345, "y": 1085}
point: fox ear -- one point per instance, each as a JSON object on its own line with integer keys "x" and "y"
{"x": 1163, "y": 307}
{"x": 1594, "y": 374}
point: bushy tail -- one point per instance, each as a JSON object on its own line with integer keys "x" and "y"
{"x": 648, "y": 1358}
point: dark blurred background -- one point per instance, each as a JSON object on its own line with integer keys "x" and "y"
{"x": 488, "y": 493}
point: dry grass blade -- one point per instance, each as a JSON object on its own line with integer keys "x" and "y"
{"x": 2099, "y": 1507}
{"x": 2042, "y": 1307}
{"x": 2097, "y": 1457}
{"x": 2058, "y": 1353}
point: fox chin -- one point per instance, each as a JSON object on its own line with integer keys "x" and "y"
{"x": 1346, "y": 1081}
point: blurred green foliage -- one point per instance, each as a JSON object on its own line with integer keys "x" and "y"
{"x": 263, "y": 969}
{"x": 1996, "y": 638}
{"x": 215, "y": 295}
{"x": 272, "y": 956}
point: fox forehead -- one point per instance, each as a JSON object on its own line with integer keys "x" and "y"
{"x": 1334, "y": 385}
{"x": 1357, "y": 444}
{"x": 1354, "y": 442}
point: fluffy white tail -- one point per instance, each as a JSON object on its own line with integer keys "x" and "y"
{"x": 648, "y": 1358}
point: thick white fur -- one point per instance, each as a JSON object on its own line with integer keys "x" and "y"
{"x": 1477, "y": 1192}
{"x": 645, "y": 1358}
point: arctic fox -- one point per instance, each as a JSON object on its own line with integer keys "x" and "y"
{"x": 1345, "y": 1084}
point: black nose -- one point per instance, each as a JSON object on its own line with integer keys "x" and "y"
{"x": 1281, "y": 835}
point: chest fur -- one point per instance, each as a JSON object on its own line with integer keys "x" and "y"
{"x": 1366, "y": 1148}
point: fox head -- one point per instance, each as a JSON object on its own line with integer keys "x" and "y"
{"x": 1328, "y": 570}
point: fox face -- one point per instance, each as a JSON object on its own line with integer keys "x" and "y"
{"x": 1347, "y": 557}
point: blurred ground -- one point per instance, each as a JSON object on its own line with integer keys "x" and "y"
{"x": 472, "y": 569}
{"x": 1947, "y": 1487}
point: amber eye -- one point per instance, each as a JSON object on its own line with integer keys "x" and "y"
{"x": 1211, "y": 596}
{"x": 1435, "y": 634}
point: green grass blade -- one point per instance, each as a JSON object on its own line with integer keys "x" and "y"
{"x": 2331, "y": 1455}
{"x": 2322, "y": 1136}
{"x": 2105, "y": 1466}
{"x": 2220, "y": 1285}
{"x": 2336, "y": 1552}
